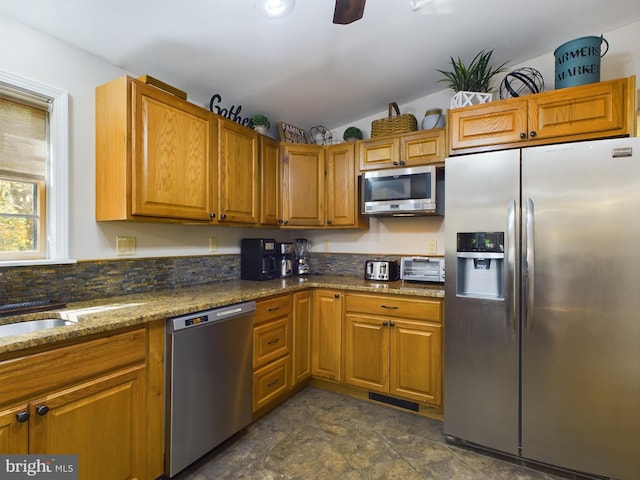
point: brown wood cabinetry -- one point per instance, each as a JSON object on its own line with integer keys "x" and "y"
{"x": 604, "y": 109}
{"x": 238, "y": 186}
{"x": 269, "y": 181}
{"x": 100, "y": 392}
{"x": 154, "y": 155}
{"x": 326, "y": 349}
{"x": 342, "y": 187}
{"x": 423, "y": 147}
{"x": 271, "y": 350}
{"x": 394, "y": 345}
{"x": 302, "y": 315}
{"x": 302, "y": 187}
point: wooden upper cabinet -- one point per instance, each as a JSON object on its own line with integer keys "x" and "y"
{"x": 596, "y": 110}
{"x": 153, "y": 155}
{"x": 341, "y": 184}
{"x": 238, "y": 185}
{"x": 269, "y": 181}
{"x": 422, "y": 147}
{"x": 302, "y": 185}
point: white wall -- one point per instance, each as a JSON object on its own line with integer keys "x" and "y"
{"x": 36, "y": 56}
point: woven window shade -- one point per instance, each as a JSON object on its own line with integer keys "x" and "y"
{"x": 23, "y": 139}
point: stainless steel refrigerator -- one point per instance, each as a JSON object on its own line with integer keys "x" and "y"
{"x": 542, "y": 304}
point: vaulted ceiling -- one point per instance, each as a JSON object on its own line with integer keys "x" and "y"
{"x": 303, "y": 69}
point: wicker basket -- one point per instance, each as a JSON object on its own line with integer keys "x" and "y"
{"x": 398, "y": 124}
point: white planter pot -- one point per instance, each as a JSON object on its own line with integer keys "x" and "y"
{"x": 260, "y": 129}
{"x": 464, "y": 99}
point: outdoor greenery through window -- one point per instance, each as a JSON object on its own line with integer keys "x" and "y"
{"x": 23, "y": 176}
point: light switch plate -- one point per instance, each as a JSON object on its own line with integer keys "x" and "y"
{"x": 126, "y": 245}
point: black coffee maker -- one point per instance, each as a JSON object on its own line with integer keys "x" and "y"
{"x": 258, "y": 259}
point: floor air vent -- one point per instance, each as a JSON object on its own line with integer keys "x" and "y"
{"x": 394, "y": 401}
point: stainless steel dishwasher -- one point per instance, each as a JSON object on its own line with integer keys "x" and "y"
{"x": 208, "y": 381}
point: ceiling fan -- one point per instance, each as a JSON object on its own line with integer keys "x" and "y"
{"x": 348, "y": 11}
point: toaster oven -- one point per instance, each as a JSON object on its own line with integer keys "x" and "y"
{"x": 422, "y": 269}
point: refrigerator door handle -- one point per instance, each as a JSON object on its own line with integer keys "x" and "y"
{"x": 530, "y": 265}
{"x": 512, "y": 314}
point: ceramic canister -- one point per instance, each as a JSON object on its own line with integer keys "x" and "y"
{"x": 433, "y": 118}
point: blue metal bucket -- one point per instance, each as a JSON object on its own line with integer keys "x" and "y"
{"x": 578, "y": 61}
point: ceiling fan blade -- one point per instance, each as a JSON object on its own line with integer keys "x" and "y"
{"x": 348, "y": 11}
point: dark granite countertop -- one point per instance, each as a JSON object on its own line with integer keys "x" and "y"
{"x": 112, "y": 313}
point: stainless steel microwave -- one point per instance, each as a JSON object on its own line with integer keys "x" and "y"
{"x": 403, "y": 191}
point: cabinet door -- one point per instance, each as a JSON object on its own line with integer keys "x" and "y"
{"x": 302, "y": 312}
{"x": 303, "y": 185}
{"x": 327, "y": 335}
{"x": 426, "y": 147}
{"x": 237, "y": 173}
{"x": 366, "y": 351}
{"x": 172, "y": 151}
{"x": 342, "y": 201}
{"x": 269, "y": 181}
{"x": 103, "y": 421}
{"x": 491, "y": 123}
{"x": 14, "y": 435}
{"x": 416, "y": 361}
{"x": 380, "y": 153}
{"x": 595, "y": 109}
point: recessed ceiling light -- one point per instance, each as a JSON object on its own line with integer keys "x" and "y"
{"x": 275, "y": 8}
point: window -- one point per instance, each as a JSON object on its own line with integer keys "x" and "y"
{"x": 33, "y": 172}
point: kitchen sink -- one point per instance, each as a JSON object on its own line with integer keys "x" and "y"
{"x": 33, "y": 326}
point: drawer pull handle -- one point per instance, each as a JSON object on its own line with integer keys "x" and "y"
{"x": 22, "y": 416}
{"x": 273, "y": 382}
{"x": 273, "y": 342}
{"x": 390, "y": 307}
{"x": 273, "y": 309}
{"x": 42, "y": 410}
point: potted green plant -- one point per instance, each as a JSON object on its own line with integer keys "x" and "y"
{"x": 351, "y": 134}
{"x": 472, "y": 82}
{"x": 260, "y": 123}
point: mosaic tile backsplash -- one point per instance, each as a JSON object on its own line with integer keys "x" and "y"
{"x": 88, "y": 280}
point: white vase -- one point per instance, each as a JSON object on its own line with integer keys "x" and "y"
{"x": 464, "y": 99}
{"x": 260, "y": 129}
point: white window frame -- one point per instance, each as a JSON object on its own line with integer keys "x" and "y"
{"x": 57, "y": 188}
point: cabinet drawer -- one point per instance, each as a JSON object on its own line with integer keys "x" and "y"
{"x": 270, "y": 341}
{"x": 272, "y": 308}
{"x": 270, "y": 381}
{"x": 393, "y": 306}
{"x": 40, "y": 372}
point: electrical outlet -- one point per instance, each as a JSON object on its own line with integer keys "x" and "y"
{"x": 126, "y": 245}
{"x": 213, "y": 244}
{"x": 326, "y": 245}
{"x": 432, "y": 247}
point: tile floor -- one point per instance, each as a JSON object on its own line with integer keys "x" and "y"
{"x": 320, "y": 435}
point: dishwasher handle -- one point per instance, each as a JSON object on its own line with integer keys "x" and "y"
{"x": 209, "y": 317}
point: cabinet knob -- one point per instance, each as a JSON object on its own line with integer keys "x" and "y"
{"x": 523, "y": 135}
{"x": 223, "y": 216}
{"x": 402, "y": 162}
{"x": 212, "y": 215}
{"x": 385, "y": 323}
{"x": 392, "y": 324}
{"x": 395, "y": 163}
{"x": 336, "y": 295}
{"x": 328, "y": 222}
{"x": 532, "y": 133}
{"x": 42, "y": 410}
{"x": 22, "y": 416}
{"x": 286, "y": 222}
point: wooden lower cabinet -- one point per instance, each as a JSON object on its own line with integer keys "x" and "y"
{"x": 393, "y": 345}
{"x": 326, "y": 349}
{"x": 302, "y": 315}
{"x": 271, "y": 350}
{"x": 97, "y": 403}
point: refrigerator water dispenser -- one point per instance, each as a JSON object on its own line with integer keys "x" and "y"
{"x": 480, "y": 265}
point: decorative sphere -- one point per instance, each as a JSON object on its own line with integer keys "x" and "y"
{"x": 523, "y": 81}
